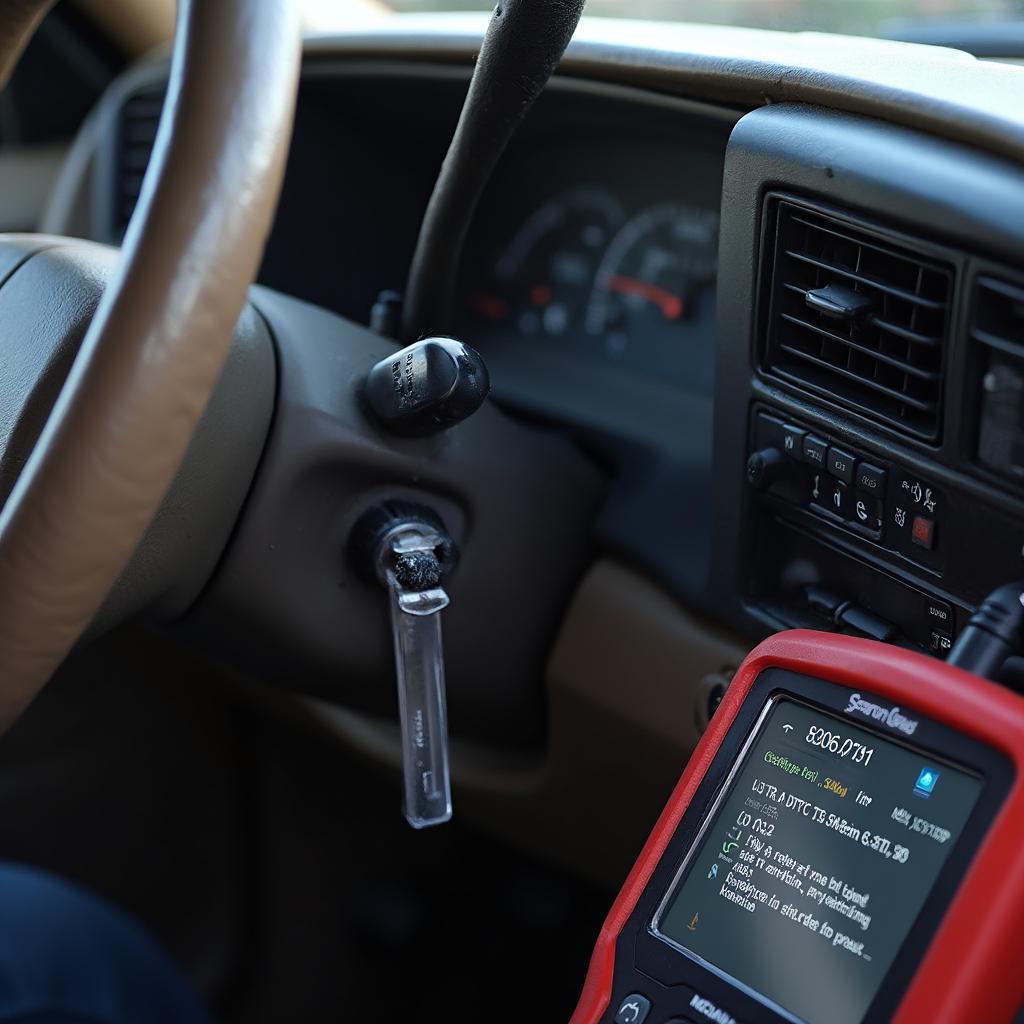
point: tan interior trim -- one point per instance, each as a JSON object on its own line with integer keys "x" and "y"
{"x": 156, "y": 345}
{"x": 939, "y": 90}
{"x": 27, "y": 177}
{"x": 136, "y": 27}
{"x": 18, "y": 20}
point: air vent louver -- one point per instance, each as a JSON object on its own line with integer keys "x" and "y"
{"x": 858, "y": 320}
{"x": 138, "y": 120}
{"x": 997, "y": 331}
{"x": 998, "y": 315}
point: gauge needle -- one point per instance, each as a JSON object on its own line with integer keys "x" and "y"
{"x": 671, "y": 306}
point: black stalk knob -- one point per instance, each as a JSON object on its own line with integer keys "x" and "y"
{"x": 427, "y": 386}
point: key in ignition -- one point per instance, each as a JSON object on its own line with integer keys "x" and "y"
{"x": 406, "y": 548}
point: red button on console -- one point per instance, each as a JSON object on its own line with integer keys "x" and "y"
{"x": 922, "y": 532}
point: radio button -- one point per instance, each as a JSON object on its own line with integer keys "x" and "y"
{"x": 832, "y": 496}
{"x": 867, "y": 512}
{"x": 922, "y": 532}
{"x": 871, "y": 479}
{"x": 815, "y": 450}
{"x": 793, "y": 440}
{"x": 841, "y": 464}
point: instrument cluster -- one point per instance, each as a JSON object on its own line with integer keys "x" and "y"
{"x": 617, "y": 267}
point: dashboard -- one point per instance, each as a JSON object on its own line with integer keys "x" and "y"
{"x": 769, "y": 294}
{"x": 588, "y": 278}
{"x": 627, "y": 279}
{"x": 664, "y": 278}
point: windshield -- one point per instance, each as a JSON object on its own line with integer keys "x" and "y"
{"x": 860, "y": 17}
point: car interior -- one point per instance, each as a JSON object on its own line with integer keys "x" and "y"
{"x": 519, "y": 516}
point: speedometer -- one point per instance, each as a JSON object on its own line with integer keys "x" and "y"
{"x": 541, "y": 280}
{"x": 655, "y": 285}
{"x": 584, "y": 275}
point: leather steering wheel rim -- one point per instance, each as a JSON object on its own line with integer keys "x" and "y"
{"x": 154, "y": 349}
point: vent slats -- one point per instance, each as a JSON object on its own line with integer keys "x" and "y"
{"x": 808, "y": 358}
{"x": 851, "y": 275}
{"x": 886, "y": 362}
{"x": 903, "y": 332}
{"x": 899, "y": 364}
{"x": 998, "y": 319}
{"x": 139, "y": 118}
{"x": 997, "y": 334}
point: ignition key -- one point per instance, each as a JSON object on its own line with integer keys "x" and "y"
{"x": 406, "y": 548}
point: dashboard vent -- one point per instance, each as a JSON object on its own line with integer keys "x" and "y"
{"x": 997, "y": 334}
{"x": 858, "y": 320}
{"x": 998, "y": 315}
{"x": 138, "y": 120}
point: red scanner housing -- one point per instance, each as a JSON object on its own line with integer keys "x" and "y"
{"x": 971, "y": 970}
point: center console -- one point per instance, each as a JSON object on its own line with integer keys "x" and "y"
{"x": 869, "y": 393}
{"x": 842, "y": 848}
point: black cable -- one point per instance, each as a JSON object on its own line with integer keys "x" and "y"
{"x": 994, "y": 633}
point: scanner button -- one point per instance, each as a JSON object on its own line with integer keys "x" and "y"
{"x": 633, "y": 1009}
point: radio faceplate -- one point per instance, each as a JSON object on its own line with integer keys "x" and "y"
{"x": 753, "y": 964}
{"x": 837, "y": 525}
{"x": 878, "y": 499}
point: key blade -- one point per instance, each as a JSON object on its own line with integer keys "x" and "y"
{"x": 407, "y": 549}
{"x": 419, "y": 665}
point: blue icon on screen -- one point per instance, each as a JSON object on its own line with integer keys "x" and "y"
{"x": 926, "y": 782}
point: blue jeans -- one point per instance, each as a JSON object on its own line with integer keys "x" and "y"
{"x": 66, "y": 957}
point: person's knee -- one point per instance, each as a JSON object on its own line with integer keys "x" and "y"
{"x": 66, "y": 955}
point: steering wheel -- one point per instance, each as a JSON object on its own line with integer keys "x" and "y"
{"x": 113, "y": 439}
